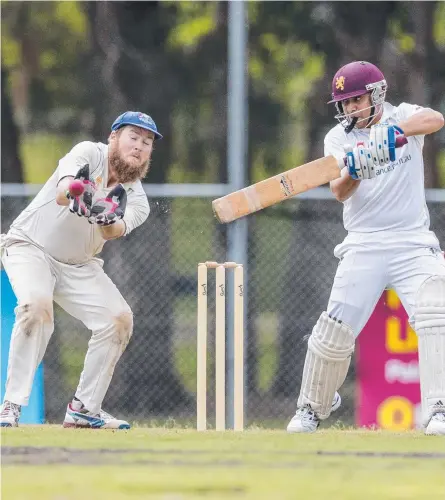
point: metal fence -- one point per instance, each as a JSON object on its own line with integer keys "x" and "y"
{"x": 290, "y": 272}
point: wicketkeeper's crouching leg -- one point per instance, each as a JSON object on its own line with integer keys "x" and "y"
{"x": 105, "y": 348}
{"x": 429, "y": 319}
{"x": 328, "y": 357}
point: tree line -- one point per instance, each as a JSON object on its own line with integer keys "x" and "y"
{"x": 71, "y": 67}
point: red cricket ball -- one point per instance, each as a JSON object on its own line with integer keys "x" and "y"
{"x": 76, "y": 188}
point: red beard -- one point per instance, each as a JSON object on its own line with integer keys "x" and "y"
{"x": 123, "y": 170}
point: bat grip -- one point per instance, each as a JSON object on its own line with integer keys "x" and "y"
{"x": 401, "y": 140}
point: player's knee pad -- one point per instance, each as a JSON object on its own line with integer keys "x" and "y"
{"x": 330, "y": 348}
{"x": 429, "y": 310}
{"x": 429, "y": 322}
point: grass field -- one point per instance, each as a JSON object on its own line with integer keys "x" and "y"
{"x": 51, "y": 463}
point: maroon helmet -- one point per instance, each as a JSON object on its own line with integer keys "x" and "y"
{"x": 355, "y": 79}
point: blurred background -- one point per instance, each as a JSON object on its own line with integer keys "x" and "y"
{"x": 69, "y": 68}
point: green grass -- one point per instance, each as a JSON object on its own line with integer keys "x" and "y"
{"x": 41, "y": 153}
{"x": 441, "y": 167}
{"x": 256, "y": 464}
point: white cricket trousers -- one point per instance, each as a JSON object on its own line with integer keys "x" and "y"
{"x": 85, "y": 292}
{"x": 371, "y": 262}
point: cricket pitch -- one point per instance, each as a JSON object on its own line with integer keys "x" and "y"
{"x": 51, "y": 463}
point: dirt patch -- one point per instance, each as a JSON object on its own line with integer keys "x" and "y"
{"x": 31, "y": 455}
{"x": 381, "y": 454}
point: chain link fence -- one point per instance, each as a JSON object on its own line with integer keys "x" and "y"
{"x": 289, "y": 276}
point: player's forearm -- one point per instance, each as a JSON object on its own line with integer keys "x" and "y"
{"x": 344, "y": 187}
{"x": 61, "y": 190}
{"x": 113, "y": 231}
{"x": 422, "y": 123}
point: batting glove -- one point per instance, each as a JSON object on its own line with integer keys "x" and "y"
{"x": 382, "y": 143}
{"x": 359, "y": 162}
{"x": 107, "y": 211}
{"x": 81, "y": 204}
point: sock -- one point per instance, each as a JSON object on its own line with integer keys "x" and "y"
{"x": 77, "y": 404}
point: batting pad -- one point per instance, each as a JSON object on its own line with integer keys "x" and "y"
{"x": 429, "y": 320}
{"x": 326, "y": 365}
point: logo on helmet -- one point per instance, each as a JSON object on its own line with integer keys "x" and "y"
{"x": 145, "y": 118}
{"x": 340, "y": 83}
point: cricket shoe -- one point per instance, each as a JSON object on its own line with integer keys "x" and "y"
{"x": 305, "y": 418}
{"x": 436, "y": 426}
{"x": 10, "y": 414}
{"x": 79, "y": 417}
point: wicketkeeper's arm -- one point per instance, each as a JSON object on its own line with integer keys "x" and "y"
{"x": 62, "y": 188}
{"x": 113, "y": 231}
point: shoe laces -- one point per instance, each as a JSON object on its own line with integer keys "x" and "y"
{"x": 9, "y": 407}
{"x": 105, "y": 416}
{"x": 307, "y": 413}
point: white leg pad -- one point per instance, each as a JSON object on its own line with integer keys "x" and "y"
{"x": 330, "y": 348}
{"x": 429, "y": 321}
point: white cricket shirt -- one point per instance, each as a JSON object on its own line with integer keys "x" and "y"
{"x": 395, "y": 199}
{"x": 65, "y": 236}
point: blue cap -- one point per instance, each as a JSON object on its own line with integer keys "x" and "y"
{"x": 138, "y": 120}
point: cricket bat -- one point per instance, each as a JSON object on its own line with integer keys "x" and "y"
{"x": 280, "y": 187}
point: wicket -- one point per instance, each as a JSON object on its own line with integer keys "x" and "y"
{"x": 220, "y": 346}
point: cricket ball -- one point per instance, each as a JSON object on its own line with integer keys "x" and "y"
{"x": 76, "y": 188}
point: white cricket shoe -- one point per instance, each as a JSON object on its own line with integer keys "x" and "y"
{"x": 436, "y": 426}
{"x": 78, "y": 416}
{"x": 10, "y": 414}
{"x": 306, "y": 420}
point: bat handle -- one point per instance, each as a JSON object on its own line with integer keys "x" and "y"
{"x": 401, "y": 140}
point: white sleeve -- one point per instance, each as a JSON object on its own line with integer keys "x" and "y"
{"x": 334, "y": 145}
{"x": 405, "y": 111}
{"x": 85, "y": 152}
{"x": 138, "y": 209}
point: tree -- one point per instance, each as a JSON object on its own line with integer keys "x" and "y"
{"x": 11, "y": 164}
{"x": 418, "y": 32}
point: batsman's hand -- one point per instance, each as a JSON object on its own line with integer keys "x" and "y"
{"x": 382, "y": 143}
{"x": 359, "y": 162}
{"x": 107, "y": 211}
{"x": 80, "y": 203}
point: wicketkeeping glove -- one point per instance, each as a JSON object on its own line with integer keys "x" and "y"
{"x": 108, "y": 210}
{"x": 80, "y": 204}
{"x": 359, "y": 162}
{"x": 382, "y": 143}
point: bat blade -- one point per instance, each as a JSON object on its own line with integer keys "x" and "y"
{"x": 281, "y": 187}
{"x": 276, "y": 189}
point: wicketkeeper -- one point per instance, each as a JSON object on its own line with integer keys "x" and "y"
{"x": 49, "y": 254}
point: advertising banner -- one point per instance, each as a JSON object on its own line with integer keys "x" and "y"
{"x": 388, "y": 390}
{"x": 34, "y": 412}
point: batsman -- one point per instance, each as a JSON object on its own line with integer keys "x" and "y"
{"x": 389, "y": 244}
{"x": 50, "y": 253}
